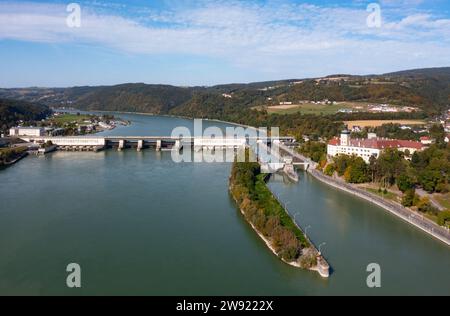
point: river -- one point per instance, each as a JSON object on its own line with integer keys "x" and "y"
{"x": 138, "y": 223}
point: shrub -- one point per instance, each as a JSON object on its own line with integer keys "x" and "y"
{"x": 357, "y": 172}
{"x": 404, "y": 183}
{"x": 308, "y": 261}
{"x": 264, "y": 212}
{"x": 330, "y": 170}
{"x": 425, "y": 206}
{"x": 408, "y": 199}
{"x": 444, "y": 218}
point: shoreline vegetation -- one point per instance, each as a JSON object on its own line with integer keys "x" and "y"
{"x": 319, "y": 153}
{"x": 393, "y": 207}
{"x": 406, "y": 214}
{"x": 284, "y": 131}
{"x": 78, "y": 124}
{"x": 9, "y": 156}
{"x": 179, "y": 117}
{"x": 270, "y": 220}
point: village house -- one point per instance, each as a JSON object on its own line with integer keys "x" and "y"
{"x": 27, "y": 131}
{"x": 426, "y": 140}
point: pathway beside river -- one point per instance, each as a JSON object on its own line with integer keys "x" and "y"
{"x": 407, "y": 215}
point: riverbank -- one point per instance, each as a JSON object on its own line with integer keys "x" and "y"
{"x": 9, "y": 162}
{"x": 83, "y": 123}
{"x": 405, "y": 214}
{"x": 323, "y": 272}
{"x": 270, "y": 220}
{"x": 176, "y": 116}
{"x": 413, "y": 218}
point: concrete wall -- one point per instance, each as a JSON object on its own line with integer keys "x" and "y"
{"x": 220, "y": 142}
{"x": 73, "y": 141}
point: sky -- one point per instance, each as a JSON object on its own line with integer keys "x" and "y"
{"x": 206, "y": 42}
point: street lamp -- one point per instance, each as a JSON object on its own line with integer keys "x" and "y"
{"x": 306, "y": 229}
{"x": 320, "y": 246}
{"x": 295, "y": 216}
{"x": 286, "y": 205}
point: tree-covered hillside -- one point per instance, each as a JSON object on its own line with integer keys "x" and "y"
{"x": 12, "y": 111}
{"x": 426, "y": 89}
{"x": 134, "y": 98}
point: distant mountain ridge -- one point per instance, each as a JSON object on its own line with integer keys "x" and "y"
{"x": 427, "y": 89}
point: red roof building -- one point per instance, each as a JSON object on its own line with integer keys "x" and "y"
{"x": 369, "y": 147}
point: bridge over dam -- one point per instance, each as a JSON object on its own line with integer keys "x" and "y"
{"x": 96, "y": 143}
{"x": 279, "y": 157}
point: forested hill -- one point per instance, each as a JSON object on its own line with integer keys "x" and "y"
{"x": 12, "y": 111}
{"x": 137, "y": 97}
{"x": 133, "y": 98}
{"x": 427, "y": 89}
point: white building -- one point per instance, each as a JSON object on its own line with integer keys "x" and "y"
{"x": 426, "y": 140}
{"x": 104, "y": 125}
{"x": 27, "y": 131}
{"x": 69, "y": 141}
{"x": 366, "y": 148}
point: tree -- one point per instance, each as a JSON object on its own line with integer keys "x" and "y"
{"x": 271, "y": 225}
{"x": 444, "y": 218}
{"x": 390, "y": 165}
{"x": 330, "y": 169}
{"x": 432, "y": 167}
{"x": 315, "y": 150}
{"x": 357, "y": 172}
{"x": 404, "y": 182}
{"x": 341, "y": 164}
{"x": 429, "y": 179}
{"x": 437, "y": 132}
{"x": 409, "y": 198}
{"x": 424, "y": 205}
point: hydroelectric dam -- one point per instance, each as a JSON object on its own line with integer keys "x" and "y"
{"x": 96, "y": 143}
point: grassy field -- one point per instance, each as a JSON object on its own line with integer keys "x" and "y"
{"x": 376, "y": 123}
{"x": 69, "y": 118}
{"x": 311, "y": 108}
{"x": 389, "y": 195}
{"x": 444, "y": 200}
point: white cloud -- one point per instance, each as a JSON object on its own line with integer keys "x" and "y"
{"x": 276, "y": 37}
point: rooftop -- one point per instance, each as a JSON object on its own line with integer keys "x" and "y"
{"x": 379, "y": 143}
{"x": 27, "y": 127}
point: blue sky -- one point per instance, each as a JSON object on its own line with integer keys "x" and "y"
{"x": 206, "y": 42}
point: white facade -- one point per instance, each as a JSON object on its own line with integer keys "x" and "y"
{"x": 69, "y": 141}
{"x": 366, "y": 148}
{"x": 345, "y": 138}
{"x": 77, "y": 141}
{"x": 364, "y": 153}
{"x": 27, "y": 131}
{"x": 104, "y": 125}
{"x": 426, "y": 141}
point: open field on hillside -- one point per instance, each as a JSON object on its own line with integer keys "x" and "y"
{"x": 376, "y": 123}
{"x": 312, "y": 108}
{"x": 70, "y": 118}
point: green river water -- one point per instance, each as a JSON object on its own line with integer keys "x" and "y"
{"x": 138, "y": 223}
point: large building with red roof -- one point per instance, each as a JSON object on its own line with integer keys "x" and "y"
{"x": 371, "y": 146}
